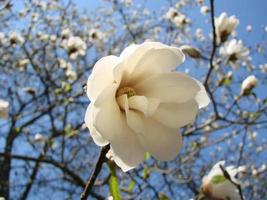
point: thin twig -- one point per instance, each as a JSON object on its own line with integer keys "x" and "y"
{"x": 228, "y": 177}
{"x": 214, "y": 46}
{"x": 97, "y": 169}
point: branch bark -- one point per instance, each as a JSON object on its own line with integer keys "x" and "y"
{"x": 97, "y": 169}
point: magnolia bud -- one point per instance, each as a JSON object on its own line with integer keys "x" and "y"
{"x": 248, "y": 84}
{"x": 190, "y": 51}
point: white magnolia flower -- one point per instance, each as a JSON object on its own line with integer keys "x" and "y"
{"x": 172, "y": 13}
{"x": 179, "y": 19}
{"x": 216, "y": 186}
{"x": 39, "y": 138}
{"x": 22, "y": 64}
{"x": 95, "y": 35}
{"x": 128, "y": 2}
{"x": 2, "y": 38}
{"x": 199, "y": 34}
{"x": 225, "y": 26}
{"x": 71, "y": 74}
{"x": 15, "y": 38}
{"x": 65, "y": 33}
{"x": 138, "y": 102}
{"x": 3, "y": 109}
{"x": 63, "y": 63}
{"x": 248, "y": 84}
{"x": 75, "y": 47}
{"x": 249, "y": 28}
{"x": 234, "y": 52}
{"x": 204, "y": 10}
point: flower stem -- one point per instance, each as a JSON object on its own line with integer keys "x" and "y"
{"x": 96, "y": 171}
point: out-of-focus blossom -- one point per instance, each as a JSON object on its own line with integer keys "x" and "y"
{"x": 234, "y": 53}
{"x": 39, "y": 138}
{"x": 225, "y": 26}
{"x": 249, "y": 28}
{"x": 2, "y": 38}
{"x": 199, "y": 34}
{"x": 216, "y": 186}
{"x": 4, "y": 105}
{"x": 95, "y": 35}
{"x": 75, "y": 47}
{"x": 179, "y": 19}
{"x": 63, "y": 63}
{"x": 65, "y": 33}
{"x": 248, "y": 84}
{"x": 15, "y": 38}
{"x": 71, "y": 74}
{"x": 138, "y": 102}
{"x": 204, "y": 10}
{"x": 22, "y": 64}
{"x": 263, "y": 68}
{"x": 128, "y": 2}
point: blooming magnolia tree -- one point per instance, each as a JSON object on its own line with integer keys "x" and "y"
{"x": 125, "y": 102}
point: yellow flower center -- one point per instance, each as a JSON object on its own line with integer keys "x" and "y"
{"x": 126, "y": 90}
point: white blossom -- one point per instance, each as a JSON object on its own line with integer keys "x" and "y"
{"x": 71, "y": 74}
{"x": 138, "y": 102}
{"x": 216, "y": 186}
{"x": 39, "y": 138}
{"x": 15, "y": 38}
{"x": 179, "y": 19}
{"x": 248, "y": 84}
{"x": 4, "y": 105}
{"x": 225, "y": 26}
{"x": 234, "y": 53}
{"x": 2, "y": 38}
{"x": 204, "y": 10}
{"x": 75, "y": 47}
{"x": 249, "y": 28}
{"x": 22, "y": 64}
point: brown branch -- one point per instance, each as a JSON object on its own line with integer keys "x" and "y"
{"x": 214, "y": 46}
{"x": 96, "y": 171}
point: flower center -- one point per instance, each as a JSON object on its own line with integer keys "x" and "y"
{"x": 126, "y": 90}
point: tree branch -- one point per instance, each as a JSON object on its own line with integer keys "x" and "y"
{"x": 98, "y": 167}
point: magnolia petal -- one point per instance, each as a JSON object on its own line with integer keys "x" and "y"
{"x": 202, "y": 97}
{"x": 128, "y": 51}
{"x": 134, "y": 121}
{"x": 175, "y": 115}
{"x": 160, "y": 58}
{"x": 162, "y": 142}
{"x": 97, "y": 137}
{"x": 169, "y": 87}
{"x": 127, "y": 151}
{"x": 101, "y": 76}
{"x": 143, "y": 104}
{"x": 108, "y": 118}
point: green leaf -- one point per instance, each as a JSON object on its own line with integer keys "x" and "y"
{"x": 147, "y": 155}
{"x": 131, "y": 185}
{"x": 113, "y": 183}
{"x": 218, "y": 179}
{"x": 146, "y": 173}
